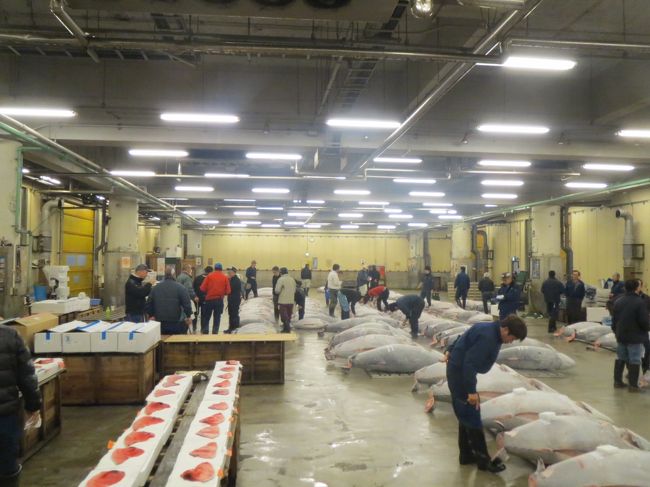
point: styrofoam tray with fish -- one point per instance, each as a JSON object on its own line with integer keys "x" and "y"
{"x": 47, "y": 367}
{"x": 175, "y": 394}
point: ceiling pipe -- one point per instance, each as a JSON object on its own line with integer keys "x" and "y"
{"x": 57, "y": 7}
{"x": 568, "y": 44}
{"x": 19, "y": 129}
{"x": 445, "y": 85}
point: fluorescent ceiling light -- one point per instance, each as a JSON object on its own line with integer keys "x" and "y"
{"x": 238, "y": 200}
{"x": 445, "y": 205}
{"x": 340, "y": 178}
{"x": 438, "y": 211}
{"x": 389, "y": 169}
{"x": 499, "y": 196}
{"x": 592, "y": 166}
{"x": 580, "y": 185}
{"x": 25, "y": 170}
{"x": 135, "y": 174}
{"x": 271, "y": 190}
{"x": 392, "y": 210}
{"x": 315, "y": 202}
{"x": 513, "y": 129}
{"x": 452, "y": 212}
{"x": 158, "y": 153}
{"x": 497, "y": 163}
{"x": 502, "y": 182}
{"x": 398, "y": 160}
{"x": 386, "y": 227}
{"x": 352, "y": 192}
{"x": 400, "y": 216}
{"x": 271, "y": 208}
{"x": 209, "y": 222}
{"x": 427, "y": 194}
{"x": 225, "y": 175}
{"x": 450, "y": 217}
{"x": 313, "y": 225}
{"x": 271, "y": 225}
{"x": 350, "y": 215}
{"x": 349, "y": 227}
{"x": 374, "y": 203}
{"x": 272, "y": 156}
{"x": 236, "y": 225}
{"x": 366, "y": 224}
{"x": 294, "y": 223}
{"x": 198, "y": 117}
{"x": 246, "y": 213}
{"x": 418, "y": 225}
{"x": 539, "y": 63}
{"x": 195, "y": 189}
{"x": 100, "y": 197}
{"x": 414, "y": 181}
{"x": 491, "y": 206}
{"x": 174, "y": 199}
{"x": 634, "y": 133}
{"x": 37, "y": 112}
{"x": 50, "y": 181}
{"x": 251, "y": 222}
{"x": 360, "y": 123}
{"x": 195, "y": 212}
{"x": 299, "y": 213}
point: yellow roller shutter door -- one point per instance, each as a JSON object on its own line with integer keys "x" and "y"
{"x": 78, "y": 247}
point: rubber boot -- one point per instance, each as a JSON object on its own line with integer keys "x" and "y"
{"x": 466, "y": 456}
{"x": 552, "y": 325}
{"x": 483, "y": 460}
{"x": 634, "y": 377}
{"x": 619, "y": 367}
{"x": 12, "y": 480}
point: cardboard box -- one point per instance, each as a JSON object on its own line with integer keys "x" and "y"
{"x": 29, "y": 326}
{"x": 51, "y": 341}
{"x": 596, "y": 315}
{"x": 137, "y": 337}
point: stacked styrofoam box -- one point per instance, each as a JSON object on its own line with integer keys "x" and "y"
{"x": 47, "y": 367}
{"x": 131, "y": 459}
{"x": 204, "y": 453}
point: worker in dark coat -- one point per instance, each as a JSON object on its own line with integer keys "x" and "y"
{"x": 274, "y": 281}
{"x": 300, "y": 299}
{"x": 631, "y": 325}
{"x": 17, "y": 377}
{"x": 508, "y": 296}
{"x": 251, "y": 279}
{"x": 374, "y": 275}
{"x": 412, "y": 306}
{"x": 199, "y": 298}
{"x": 136, "y": 291}
{"x": 353, "y": 296}
{"x": 305, "y": 277}
{"x": 169, "y": 303}
{"x": 426, "y": 285}
{"x": 552, "y": 289}
{"x": 645, "y": 363}
{"x": 575, "y": 293}
{"x": 234, "y": 299}
{"x": 486, "y": 287}
{"x": 475, "y": 352}
{"x": 617, "y": 287}
{"x": 461, "y": 285}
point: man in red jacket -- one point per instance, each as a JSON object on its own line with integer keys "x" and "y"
{"x": 216, "y": 285}
{"x": 380, "y": 293}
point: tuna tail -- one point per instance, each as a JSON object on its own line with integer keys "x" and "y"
{"x": 595, "y": 412}
{"x": 540, "y": 466}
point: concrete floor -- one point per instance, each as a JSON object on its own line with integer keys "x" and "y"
{"x": 326, "y": 428}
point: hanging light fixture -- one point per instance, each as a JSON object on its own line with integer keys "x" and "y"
{"x": 422, "y": 9}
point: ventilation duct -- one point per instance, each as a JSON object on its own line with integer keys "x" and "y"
{"x": 628, "y": 237}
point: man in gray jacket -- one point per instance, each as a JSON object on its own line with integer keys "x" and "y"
{"x": 186, "y": 280}
{"x": 16, "y": 375}
{"x": 285, "y": 288}
{"x": 169, "y": 303}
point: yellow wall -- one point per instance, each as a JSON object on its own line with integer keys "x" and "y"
{"x": 147, "y": 240}
{"x": 508, "y": 240}
{"x": 440, "y": 251}
{"x": 288, "y": 249}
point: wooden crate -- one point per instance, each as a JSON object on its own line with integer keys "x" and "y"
{"x": 35, "y": 439}
{"x": 108, "y": 378}
{"x": 261, "y": 355}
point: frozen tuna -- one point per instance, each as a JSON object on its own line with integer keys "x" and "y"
{"x": 606, "y": 341}
{"x": 506, "y": 412}
{"x": 554, "y": 438}
{"x": 362, "y": 330}
{"x": 534, "y": 358}
{"x": 396, "y": 359}
{"x": 431, "y": 374}
{"x": 363, "y": 343}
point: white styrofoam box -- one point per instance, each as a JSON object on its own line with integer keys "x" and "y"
{"x": 51, "y": 341}
{"x": 79, "y": 340}
{"x": 137, "y": 337}
{"x": 597, "y": 314}
{"x": 60, "y": 306}
{"x": 81, "y": 304}
{"x": 101, "y": 340}
{"x": 46, "y": 367}
{"x": 494, "y": 310}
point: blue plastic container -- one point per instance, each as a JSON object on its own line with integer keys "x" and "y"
{"x": 40, "y": 293}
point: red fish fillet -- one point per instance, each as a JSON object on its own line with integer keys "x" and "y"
{"x": 232, "y": 362}
{"x": 43, "y": 361}
{"x": 172, "y": 380}
{"x": 145, "y": 421}
{"x": 162, "y": 392}
{"x": 104, "y": 479}
{"x": 203, "y": 472}
{"x": 225, "y": 376}
{"x": 221, "y": 392}
{"x": 152, "y": 407}
{"x": 209, "y": 450}
{"x": 213, "y": 420}
{"x": 227, "y": 369}
{"x": 223, "y": 383}
{"x": 121, "y": 455}
{"x": 208, "y": 432}
{"x": 137, "y": 437}
{"x": 220, "y": 406}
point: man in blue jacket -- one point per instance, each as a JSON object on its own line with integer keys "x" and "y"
{"x": 412, "y": 306}
{"x": 508, "y": 296}
{"x": 475, "y": 352}
{"x": 575, "y": 293}
{"x": 461, "y": 285}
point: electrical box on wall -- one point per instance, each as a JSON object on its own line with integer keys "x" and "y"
{"x": 42, "y": 244}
